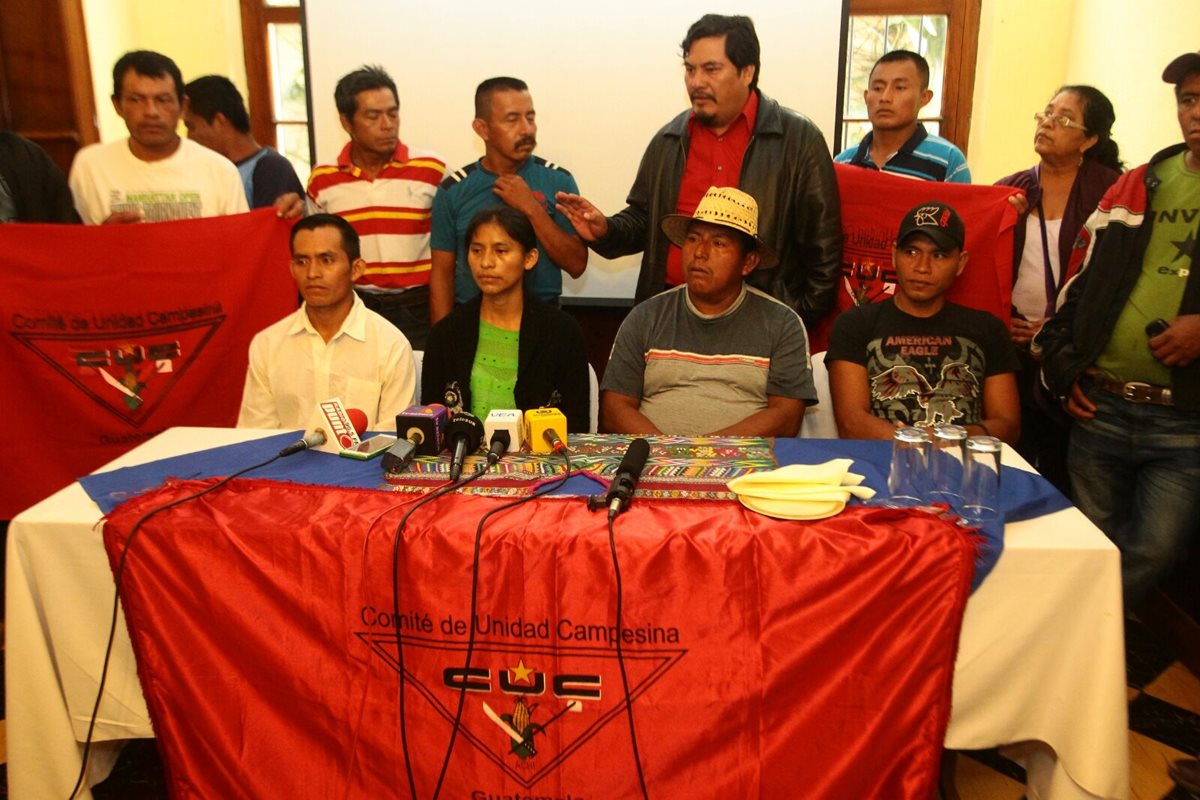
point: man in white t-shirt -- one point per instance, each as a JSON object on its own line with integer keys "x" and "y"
{"x": 154, "y": 175}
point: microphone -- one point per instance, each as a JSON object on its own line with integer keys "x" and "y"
{"x": 545, "y": 430}
{"x": 424, "y": 427}
{"x": 620, "y": 491}
{"x": 502, "y": 430}
{"x": 465, "y": 432}
{"x": 310, "y": 440}
{"x": 332, "y": 428}
{"x": 342, "y": 426}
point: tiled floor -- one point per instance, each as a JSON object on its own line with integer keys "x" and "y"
{"x": 1164, "y": 720}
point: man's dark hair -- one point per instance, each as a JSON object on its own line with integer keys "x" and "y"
{"x": 148, "y": 64}
{"x": 216, "y": 94}
{"x": 350, "y": 243}
{"x": 485, "y": 90}
{"x": 917, "y": 59}
{"x": 363, "y": 79}
{"x": 741, "y": 42}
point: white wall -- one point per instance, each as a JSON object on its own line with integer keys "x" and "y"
{"x": 603, "y": 79}
{"x": 1028, "y": 48}
{"x": 204, "y": 37}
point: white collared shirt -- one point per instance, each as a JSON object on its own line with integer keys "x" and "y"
{"x": 368, "y": 364}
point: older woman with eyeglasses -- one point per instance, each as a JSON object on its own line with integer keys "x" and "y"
{"x": 1078, "y": 162}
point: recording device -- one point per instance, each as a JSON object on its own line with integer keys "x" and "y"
{"x": 464, "y": 434}
{"x": 370, "y": 448}
{"x": 545, "y": 430}
{"x": 425, "y": 427}
{"x": 1156, "y": 327}
{"x": 620, "y": 491}
{"x": 502, "y": 424}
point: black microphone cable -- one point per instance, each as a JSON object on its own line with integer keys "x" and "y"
{"x": 396, "y": 540}
{"x": 462, "y": 691}
{"x": 637, "y": 756}
{"x": 118, "y": 578}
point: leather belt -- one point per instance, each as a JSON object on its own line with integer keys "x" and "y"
{"x": 1133, "y": 391}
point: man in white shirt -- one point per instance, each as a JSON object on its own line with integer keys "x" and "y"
{"x": 333, "y": 346}
{"x": 154, "y": 175}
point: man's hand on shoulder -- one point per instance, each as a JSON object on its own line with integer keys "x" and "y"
{"x": 289, "y": 206}
{"x": 588, "y": 220}
{"x": 1179, "y": 345}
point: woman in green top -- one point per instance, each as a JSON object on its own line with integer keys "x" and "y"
{"x": 505, "y": 348}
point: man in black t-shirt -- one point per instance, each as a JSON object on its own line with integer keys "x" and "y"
{"x": 916, "y": 359}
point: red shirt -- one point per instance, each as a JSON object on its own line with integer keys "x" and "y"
{"x": 712, "y": 160}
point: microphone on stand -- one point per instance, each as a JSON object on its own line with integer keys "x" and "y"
{"x": 464, "y": 432}
{"x": 620, "y": 491}
{"x": 310, "y": 440}
{"x": 331, "y": 429}
{"x": 545, "y": 430}
{"x": 502, "y": 431}
{"x": 424, "y": 426}
{"x": 419, "y": 433}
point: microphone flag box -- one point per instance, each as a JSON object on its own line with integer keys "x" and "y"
{"x": 540, "y": 420}
{"x": 424, "y": 426}
{"x": 332, "y": 418}
{"x": 504, "y": 419}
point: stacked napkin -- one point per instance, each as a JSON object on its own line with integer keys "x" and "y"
{"x": 801, "y": 491}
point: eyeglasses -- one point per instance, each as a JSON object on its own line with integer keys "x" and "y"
{"x": 1059, "y": 120}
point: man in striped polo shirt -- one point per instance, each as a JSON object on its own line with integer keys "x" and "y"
{"x": 896, "y": 92}
{"x": 713, "y": 356}
{"x": 385, "y": 189}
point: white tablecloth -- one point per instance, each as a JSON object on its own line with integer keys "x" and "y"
{"x": 1041, "y": 657}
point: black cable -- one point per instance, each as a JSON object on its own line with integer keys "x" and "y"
{"x": 637, "y": 756}
{"x": 118, "y": 577}
{"x": 462, "y": 691}
{"x": 397, "y": 539}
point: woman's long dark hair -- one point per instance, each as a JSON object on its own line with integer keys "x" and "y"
{"x": 514, "y": 223}
{"x": 1098, "y": 118}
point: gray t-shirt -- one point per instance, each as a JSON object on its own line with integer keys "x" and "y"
{"x": 697, "y": 374}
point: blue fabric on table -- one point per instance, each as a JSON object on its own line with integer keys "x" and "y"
{"x": 1023, "y": 494}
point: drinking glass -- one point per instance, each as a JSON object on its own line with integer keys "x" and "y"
{"x": 908, "y": 480}
{"x": 946, "y": 465}
{"x": 981, "y": 480}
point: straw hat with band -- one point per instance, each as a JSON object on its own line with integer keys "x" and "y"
{"x": 728, "y": 207}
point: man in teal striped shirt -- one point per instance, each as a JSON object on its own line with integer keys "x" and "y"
{"x": 897, "y": 91}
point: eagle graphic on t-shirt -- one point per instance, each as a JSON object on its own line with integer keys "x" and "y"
{"x": 956, "y": 384}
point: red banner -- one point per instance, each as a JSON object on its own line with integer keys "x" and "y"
{"x": 764, "y": 658}
{"x": 110, "y": 334}
{"x": 873, "y": 204}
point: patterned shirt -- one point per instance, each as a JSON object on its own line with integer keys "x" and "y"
{"x": 391, "y": 213}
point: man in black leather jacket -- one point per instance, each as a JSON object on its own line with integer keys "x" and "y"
{"x": 784, "y": 164}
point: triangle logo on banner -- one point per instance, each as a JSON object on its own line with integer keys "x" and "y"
{"x": 126, "y": 372}
{"x": 516, "y": 693}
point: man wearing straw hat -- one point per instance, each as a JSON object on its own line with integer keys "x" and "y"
{"x": 713, "y": 356}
